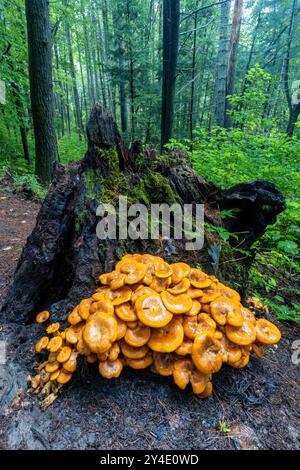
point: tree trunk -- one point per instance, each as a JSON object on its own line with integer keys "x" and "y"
{"x": 78, "y": 116}
{"x": 41, "y": 87}
{"x": 171, "y": 12}
{"x": 233, "y": 49}
{"x": 193, "y": 76}
{"x": 222, "y": 61}
{"x": 294, "y": 114}
{"x": 63, "y": 257}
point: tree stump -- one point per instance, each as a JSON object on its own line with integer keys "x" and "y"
{"x": 62, "y": 258}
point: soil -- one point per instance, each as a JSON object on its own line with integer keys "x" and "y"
{"x": 258, "y": 407}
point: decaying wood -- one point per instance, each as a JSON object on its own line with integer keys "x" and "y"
{"x": 62, "y": 259}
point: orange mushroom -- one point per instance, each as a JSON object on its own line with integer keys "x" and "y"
{"x": 42, "y": 317}
{"x": 64, "y": 354}
{"x": 181, "y": 287}
{"x": 64, "y": 377}
{"x": 71, "y": 364}
{"x": 179, "y": 271}
{"x": 230, "y": 352}
{"x": 225, "y": 310}
{"x": 163, "y": 270}
{"x": 121, "y": 328}
{"x": 74, "y": 333}
{"x": 51, "y": 367}
{"x": 243, "y": 335}
{"x": 248, "y": 314}
{"x": 54, "y": 375}
{"x": 160, "y": 284}
{"x": 164, "y": 363}
{"x": 185, "y": 348}
{"x": 137, "y": 336}
{"x": 100, "y": 332}
{"x": 53, "y": 328}
{"x": 74, "y": 317}
{"x": 133, "y": 270}
{"x": 152, "y": 312}
{"x": 267, "y": 332}
{"x": 199, "y": 279}
{"x": 194, "y": 293}
{"x": 196, "y": 307}
{"x": 42, "y": 344}
{"x": 206, "y": 353}
{"x": 84, "y": 308}
{"x": 141, "y": 290}
{"x": 177, "y": 304}
{"x": 132, "y": 352}
{"x": 110, "y": 369}
{"x": 167, "y": 338}
{"x": 103, "y": 305}
{"x": 126, "y": 312}
{"x": 55, "y": 344}
{"x": 185, "y": 373}
{"x": 119, "y": 296}
{"x": 142, "y": 363}
{"x": 115, "y": 279}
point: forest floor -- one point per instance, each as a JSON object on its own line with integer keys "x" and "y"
{"x": 254, "y": 408}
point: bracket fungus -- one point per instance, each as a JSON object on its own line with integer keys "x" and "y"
{"x": 146, "y": 312}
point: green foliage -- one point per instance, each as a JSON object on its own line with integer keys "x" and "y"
{"x": 70, "y": 147}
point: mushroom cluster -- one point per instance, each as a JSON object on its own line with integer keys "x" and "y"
{"x": 174, "y": 318}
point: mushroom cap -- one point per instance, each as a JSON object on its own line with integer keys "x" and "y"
{"x": 164, "y": 363}
{"x": 209, "y": 295}
{"x": 205, "y": 323}
{"x": 74, "y": 317}
{"x": 243, "y": 361}
{"x": 121, "y": 328}
{"x": 114, "y": 352}
{"x": 103, "y": 305}
{"x": 142, "y": 363}
{"x": 133, "y": 270}
{"x": 119, "y": 296}
{"x": 141, "y": 290}
{"x": 42, "y": 317}
{"x": 131, "y": 352}
{"x": 53, "y": 328}
{"x": 206, "y": 353}
{"x": 163, "y": 270}
{"x": 182, "y": 372}
{"x": 241, "y": 335}
{"x": 160, "y": 284}
{"x": 226, "y": 291}
{"x": 84, "y": 308}
{"x": 231, "y": 352}
{"x": 248, "y": 314}
{"x": 52, "y": 367}
{"x": 199, "y": 381}
{"x": 100, "y": 332}
{"x": 98, "y": 296}
{"x": 226, "y": 311}
{"x": 82, "y": 348}
{"x": 115, "y": 280}
{"x": 55, "y": 344}
{"x": 110, "y": 369}
{"x": 267, "y": 332}
{"x": 258, "y": 349}
{"x": 176, "y": 303}
{"x": 64, "y": 354}
{"x": 74, "y": 333}
{"x": 207, "y": 391}
{"x": 194, "y": 293}
{"x": 199, "y": 279}
{"x": 71, "y": 364}
{"x": 92, "y": 358}
{"x": 181, "y": 287}
{"x": 126, "y": 312}
{"x": 190, "y": 325}
{"x": 137, "y": 336}
{"x": 152, "y": 312}
{"x": 167, "y": 338}
{"x": 196, "y": 307}
{"x": 179, "y": 271}
{"x": 54, "y": 375}
{"x": 64, "y": 377}
{"x": 185, "y": 348}
{"x": 41, "y": 344}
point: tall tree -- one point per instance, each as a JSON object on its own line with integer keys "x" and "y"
{"x": 221, "y": 72}
{"x": 233, "y": 49}
{"x": 171, "y": 12}
{"x": 41, "y": 87}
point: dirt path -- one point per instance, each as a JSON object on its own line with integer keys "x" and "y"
{"x": 259, "y": 405}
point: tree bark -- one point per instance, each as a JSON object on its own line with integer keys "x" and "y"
{"x": 171, "y": 12}
{"x": 233, "y": 49}
{"x": 41, "y": 87}
{"x": 221, "y": 72}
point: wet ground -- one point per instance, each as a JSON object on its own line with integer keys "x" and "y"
{"x": 254, "y": 408}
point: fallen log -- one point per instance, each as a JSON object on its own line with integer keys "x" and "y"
{"x": 63, "y": 256}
